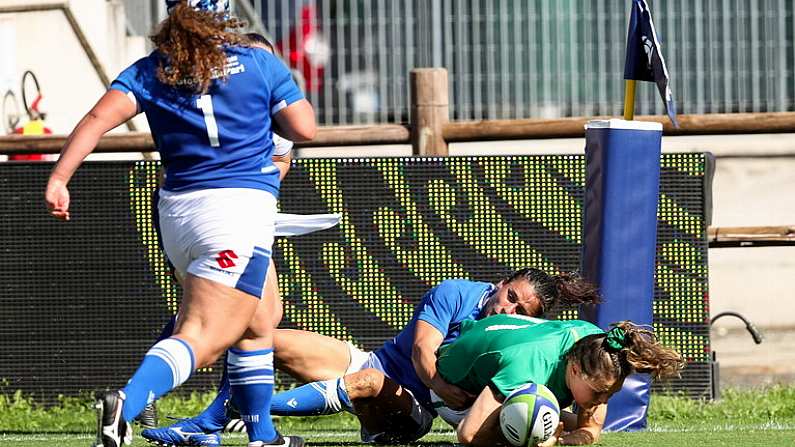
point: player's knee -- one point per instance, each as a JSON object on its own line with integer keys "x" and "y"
{"x": 205, "y": 352}
{"x": 210, "y": 358}
{"x": 364, "y": 384}
{"x": 262, "y": 323}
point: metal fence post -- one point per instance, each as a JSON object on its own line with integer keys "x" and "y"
{"x": 429, "y": 111}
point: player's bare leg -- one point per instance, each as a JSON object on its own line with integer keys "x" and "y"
{"x": 309, "y": 356}
{"x": 271, "y": 296}
{"x": 387, "y": 412}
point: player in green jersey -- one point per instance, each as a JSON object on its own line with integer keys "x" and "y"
{"x": 576, "y": 360}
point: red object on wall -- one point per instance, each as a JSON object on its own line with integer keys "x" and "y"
{"x": 34, "y": 127}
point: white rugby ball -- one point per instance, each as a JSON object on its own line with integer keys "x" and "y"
{"x": 529, "y": 415}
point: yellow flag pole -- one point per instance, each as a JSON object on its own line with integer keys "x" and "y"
{"x": 629, "y": 100}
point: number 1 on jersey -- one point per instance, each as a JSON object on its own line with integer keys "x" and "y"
{"x": 205, "y": 103}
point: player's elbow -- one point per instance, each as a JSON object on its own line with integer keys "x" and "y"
{"x": 297, "y": 121}
{"x": 469, "y": 433}
{"x": 595, "y": 435}
{"x": 465, "y": 436}
{"x": 306, "y": 131}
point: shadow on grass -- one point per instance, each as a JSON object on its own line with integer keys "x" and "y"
{"x": 361, "y": 444}
{"x": 45, "y": 432}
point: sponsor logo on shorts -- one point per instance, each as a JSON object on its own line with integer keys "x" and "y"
{"x": 225, "y": 257}
{"x": 216, "y": 269}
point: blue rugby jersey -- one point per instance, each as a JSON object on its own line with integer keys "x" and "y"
{"x": 444, "y": 307}
{"x": 221, "y": 139}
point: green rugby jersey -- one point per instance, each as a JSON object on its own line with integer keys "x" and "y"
{"x": 507, "y": 351}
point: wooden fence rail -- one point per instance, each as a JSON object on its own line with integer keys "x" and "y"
{"x": 714, "y": 124}
{"x": 751, "y": 236}
{"x": 430, "y": 130}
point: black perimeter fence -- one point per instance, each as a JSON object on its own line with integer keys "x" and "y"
{"x": 82, "y": 301}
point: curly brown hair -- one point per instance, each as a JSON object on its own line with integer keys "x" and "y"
{"x": 639, "y": 351}
{"x": 192, "y": 42}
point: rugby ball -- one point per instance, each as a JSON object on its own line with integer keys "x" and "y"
{"x": 529, "y": 415}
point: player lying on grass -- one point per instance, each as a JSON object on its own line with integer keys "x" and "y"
{"x": 409, "y": 359}
{"x": 576, "y": 360}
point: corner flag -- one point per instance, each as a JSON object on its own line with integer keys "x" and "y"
{"x": 644, "y": 61}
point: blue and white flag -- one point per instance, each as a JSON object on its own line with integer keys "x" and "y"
{"x": 644, "y": 60}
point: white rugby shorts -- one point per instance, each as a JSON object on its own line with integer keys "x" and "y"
{"x": 362, "y": 360}
{"x": 224, "y": 234}
{"x": 452, "y": 417}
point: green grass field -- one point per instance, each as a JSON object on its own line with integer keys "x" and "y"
{"x": 764, "y": 417}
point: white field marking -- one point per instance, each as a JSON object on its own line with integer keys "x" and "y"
{"x": 352, "y": 435}
{"x": 766, "y": 426}
{"x": 339, "y": 434}
{"x": 45, "y": 437}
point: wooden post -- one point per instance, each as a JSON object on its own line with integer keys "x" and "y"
{"x": 429, "y": 111}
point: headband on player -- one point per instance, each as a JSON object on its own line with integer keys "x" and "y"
{"x": 616, "y": 340}
{"x": 218, "y": 6}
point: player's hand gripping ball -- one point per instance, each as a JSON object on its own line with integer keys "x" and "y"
{"x": 529, "y": 415}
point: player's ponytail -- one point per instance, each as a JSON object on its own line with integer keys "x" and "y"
{"x": 623, "y": 350}
{"x": 641, "y": 351}
{"x": 573, "y": 290}
{"x": 192, "y": 43}
{"x": 568, "y": 289}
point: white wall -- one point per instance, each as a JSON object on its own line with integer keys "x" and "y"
{"x": 45, "y": 43}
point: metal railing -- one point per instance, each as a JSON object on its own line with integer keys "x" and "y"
{"x": 525, "y": 58}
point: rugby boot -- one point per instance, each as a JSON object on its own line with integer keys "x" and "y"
{"x": 280, "y": 441}
{"x": 112, "y": 429}
{"x": 186, "y": 432}
{"x": 235, "y": 426}
{"x": 148, "y": 417}
{"x": 233, "y": 422}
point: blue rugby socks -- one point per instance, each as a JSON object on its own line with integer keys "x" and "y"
{"x": 165, "y": 366}
{"x": 213, "y": 418}
{"x": 325, "y": 397}
{"x": 251, "y": 380}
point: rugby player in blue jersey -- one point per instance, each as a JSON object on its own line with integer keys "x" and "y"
{"x": 389, "y": 389}
{"x": 211, "y": 101}
{"x": 376, "y": 380}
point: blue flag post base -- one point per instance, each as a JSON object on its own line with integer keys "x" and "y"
{"x": 622, "y": 182}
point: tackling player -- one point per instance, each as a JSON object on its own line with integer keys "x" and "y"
{"x": 408, "y": 360}
{"x": 400, "y": 373}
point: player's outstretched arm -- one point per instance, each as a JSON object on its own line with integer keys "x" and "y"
{"x": 113, "y": 109}
{"x": 481, "y": 426}
{"x": 427, "y": 340}
{"x": 589, "y": 426}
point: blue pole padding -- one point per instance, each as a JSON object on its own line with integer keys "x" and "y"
{"x": 622, "y": 183}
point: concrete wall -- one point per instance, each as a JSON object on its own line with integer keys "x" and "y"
{"x": 44, "y": 42}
